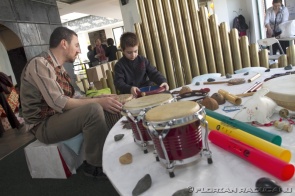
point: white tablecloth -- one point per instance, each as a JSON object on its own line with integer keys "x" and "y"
{"x": 228, "y": 175}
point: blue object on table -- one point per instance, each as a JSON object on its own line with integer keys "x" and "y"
{"x": 148, "y": 88}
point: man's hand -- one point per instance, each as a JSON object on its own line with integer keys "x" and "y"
{"x": 110, "y": 104}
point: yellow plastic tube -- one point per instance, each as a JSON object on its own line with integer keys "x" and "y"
{"x": 251, "y": 140}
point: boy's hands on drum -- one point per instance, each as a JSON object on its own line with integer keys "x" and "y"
{"x": 134, "y": 91}
{"x": 110, "y": 104}
{"x": 165, "y": 85}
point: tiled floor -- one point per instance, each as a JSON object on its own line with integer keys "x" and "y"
{"x": 13, "y": 139}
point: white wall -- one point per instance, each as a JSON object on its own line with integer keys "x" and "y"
{"x": 220, "y": 8}
{"x": 227, "y": 10}
{"x": 5, "y": 65}
{"x": 130, "y": 15}
{"x": 256, "y": 20}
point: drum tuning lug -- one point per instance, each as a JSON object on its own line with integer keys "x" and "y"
{"x": 171, "y": 174}
{"x": 209, "y": 160}
{"x": 170, "y": 168}
{"x": 156, "y": 155}
{"x": 206, "y": 153}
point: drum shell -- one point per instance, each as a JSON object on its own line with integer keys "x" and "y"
{"x": 111, "y": 119}
{"x": 145, "y": 135}
{"x": 176, "y": 130}
{"x": 181, "y": 142}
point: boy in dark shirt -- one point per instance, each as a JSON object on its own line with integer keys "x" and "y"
{"x": 133, "y": 71}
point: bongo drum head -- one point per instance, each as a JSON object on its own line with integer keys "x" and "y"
{"x": 175, "y": 110}
{"x": 147, "y": 101}
{"x": 282, "y": 91}
{"x": 123, "y": 98}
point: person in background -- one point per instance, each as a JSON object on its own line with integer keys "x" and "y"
{"x": 5, "y": 88}
{"x": 90, "y": 55}
{"x": 111, "y": 50}
{"x": 133, "y": 71}
{"x": 51, "y": 112}
{"x": 274, "y": 16}
{"x": 99, "y": 51}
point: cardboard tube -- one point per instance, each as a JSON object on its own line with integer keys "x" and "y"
{"x": 252, "y": 87}
{"x": 256, "y": 142}
{"x": 245, "y": 94}
{"x": 254, "y": 77}
{"x": 230, "y": 97}
{"x": 264, "y": 161}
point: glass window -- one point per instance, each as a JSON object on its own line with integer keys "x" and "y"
{"x": 118, "y": 31}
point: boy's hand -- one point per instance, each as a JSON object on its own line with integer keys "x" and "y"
{"x": 134, "y": 91}
{"x": 165, "y": 85}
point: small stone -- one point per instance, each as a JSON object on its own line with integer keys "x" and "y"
{"x": 268, "y": 186}
{"x": 118, "y": 137}
{"x": 228, "y": 75}
{"x": 210, "y": 80}
{"x": 197, "y": 83}
{"x": 267, "y": 70}
{"x": 142, "y": 185}
{"x": 126, "y": 159}
{"x": 247, "y": 73}
{"x": 288, "y": 67}
{"x": 183, "y": 192}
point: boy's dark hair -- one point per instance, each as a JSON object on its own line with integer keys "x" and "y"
{"x": 128, "y": 39}
{"x": 89, "y": 47}
{"x": 110, "y": 41}
{"x": 277, "y": 1}
{"x": 59, "y": 34}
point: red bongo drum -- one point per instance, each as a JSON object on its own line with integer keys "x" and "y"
{"x": 135, "y": 109}
{"x": 177, "y": 134}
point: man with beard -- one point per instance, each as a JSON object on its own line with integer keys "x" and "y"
{"x": 51, "y": 112}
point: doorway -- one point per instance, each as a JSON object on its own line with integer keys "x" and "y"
{"x": 13, "y": 58}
